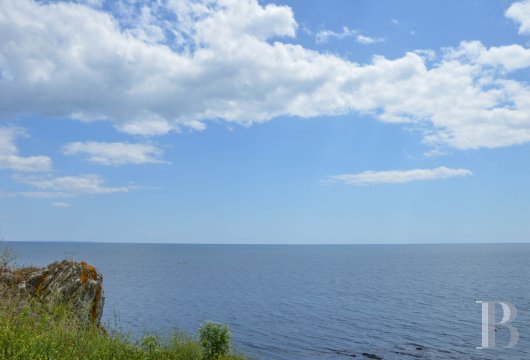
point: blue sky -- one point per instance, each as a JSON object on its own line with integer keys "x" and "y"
{"x": 238, "y": 121}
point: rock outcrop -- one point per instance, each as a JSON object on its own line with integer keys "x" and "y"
{"x": 75, "y": 283}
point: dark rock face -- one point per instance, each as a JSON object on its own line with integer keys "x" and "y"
{"x": 63, "y": 282}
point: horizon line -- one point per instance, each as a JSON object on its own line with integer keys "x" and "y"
{"x": 259, "y": 244}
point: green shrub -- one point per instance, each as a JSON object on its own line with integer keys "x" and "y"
{"x": 215, "y": 340}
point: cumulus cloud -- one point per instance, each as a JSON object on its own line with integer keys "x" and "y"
{"x": 227, "y": 60}
{"x": 66, "y": 186}
{"x": 399, "y": 176}
{"x": 520, "y": 13}
{"x": 10, "y": 158}
{"x": 324, "y": 36}
{"x": 115, "y": 153}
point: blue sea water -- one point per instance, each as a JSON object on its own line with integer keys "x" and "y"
{"x": 313, "y": 302}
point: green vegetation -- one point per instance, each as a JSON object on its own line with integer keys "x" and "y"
{"x": 33, "y": 330}
{"x": 215, "y": 340}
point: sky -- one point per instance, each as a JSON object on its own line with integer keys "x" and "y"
{"x": 281, "y": 122}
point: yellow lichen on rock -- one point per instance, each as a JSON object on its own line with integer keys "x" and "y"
{"x": 87, "y": 272}
{"x": 69, "y": 282}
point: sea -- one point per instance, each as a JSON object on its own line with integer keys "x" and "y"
{"x": 304, "y": 302}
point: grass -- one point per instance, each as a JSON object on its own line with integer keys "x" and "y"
{"x": 32, "y": 330}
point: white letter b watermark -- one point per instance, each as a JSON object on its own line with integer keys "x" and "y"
{"x": 509, "y": 313}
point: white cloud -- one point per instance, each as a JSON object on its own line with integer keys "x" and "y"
{"x": 68, "y": 185}
{"x": 225, "y": 60}
{"x": 520, "y": 13}
{"x": 61, "y": 204}
{"x": 115, "y": 153}
{"x": 10, "y": 159}
{"x": 399, "y": 176}
{"x": 148, "y": 125}
{"x": 366, "y": 40}
{"x": 323, "y": 36}
{"x": 507, "y": 58}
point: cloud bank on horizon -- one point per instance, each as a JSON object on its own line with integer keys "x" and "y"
{"x": 151, "y": 68}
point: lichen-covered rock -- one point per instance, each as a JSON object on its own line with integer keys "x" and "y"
{"x": 65, "y": 281}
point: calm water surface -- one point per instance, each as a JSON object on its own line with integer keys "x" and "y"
{"x": 313, "y": 302}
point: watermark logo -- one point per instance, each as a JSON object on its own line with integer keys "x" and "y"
{"x": 509, "y": 313}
